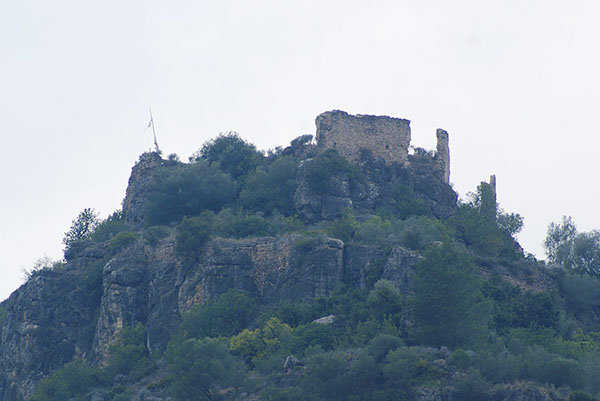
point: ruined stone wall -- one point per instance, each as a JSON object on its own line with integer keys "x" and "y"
{"x": 384, "y": 136}
{"x": 443, "y": 154}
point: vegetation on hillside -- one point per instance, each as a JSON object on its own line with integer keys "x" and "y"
{"x": 464, "y": 327}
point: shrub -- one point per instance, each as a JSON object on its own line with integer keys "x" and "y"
{"x": 154, "y": 234}
{"x": 192, "y": 234}
{"x": 419, "y": 232}
{"x": 231, "y": 153}
{"x": 3, "y": 315}
{"x": 343, "y": 228}
{"x": 188, "y": 190}
{"x": 580, "y": 396}
{"x": 460, "y": 358}
{"x": 239, "y": 225}
{"x": 200, "y": 367}
{"x": 271, "y": 188}
{"x": 74, "y": 379}
{"x": 382, "y": 344}
{"x": 110, "y": 227}
{"x": 448, "y": 306}
{"x": 328, "y": 165}
{"x": 81, "y": 228}
{"x": 472, "y": 387}
{"x": 374, "y": 231}
{"x": 385, "y": 301}
{"x": 129, "y": 354}
{"x": 121, "y": 240}
{"x": 408, "y": 204}
{"x": 227, "y": 315}
{"x": 91, "y": 281}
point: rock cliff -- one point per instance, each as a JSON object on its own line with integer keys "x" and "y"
{"x": 77, "y": 309}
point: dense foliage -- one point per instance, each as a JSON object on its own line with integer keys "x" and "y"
{"x": 480, "y": 316}
{"x": 574, "y": 250}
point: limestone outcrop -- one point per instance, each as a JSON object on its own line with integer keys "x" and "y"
{"x": 77, "y": 309}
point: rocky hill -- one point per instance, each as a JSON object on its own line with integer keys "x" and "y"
{"x": 136, "y": 268}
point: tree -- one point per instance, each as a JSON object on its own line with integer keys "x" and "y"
{"x": 82, "y": 227}
{"x": 571, "y": 249}
{"x": 385, "y": 301}
{"x": 192, "y": 234}
{"x": 188, "y": 190}
{"x": 559, "y": 242}
{"x": 448, "y": 308}
{"x": 271, "y": 188}
{"x": 231, "y": 153}
{"x": 512, "y": 223}
{"x": 231, "y": 312}
{"x": 200, "y": 367}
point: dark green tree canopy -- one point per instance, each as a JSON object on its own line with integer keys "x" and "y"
{"x": 188, "y": 190}
{"x": 234, "y": 155}
{"x": 448, "y": 306}
{"x": 82, "y": 227}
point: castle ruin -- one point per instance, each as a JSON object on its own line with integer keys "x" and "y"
{"x": 385, "y": 137}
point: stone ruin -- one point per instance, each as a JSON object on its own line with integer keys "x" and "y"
{"x": 385, "y": 137}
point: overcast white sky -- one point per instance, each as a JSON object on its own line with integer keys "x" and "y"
{"x": 515, "y": 83}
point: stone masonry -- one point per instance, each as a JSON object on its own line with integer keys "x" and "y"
{"x": 385, "y": 137}
{"x": 442, "y": 157}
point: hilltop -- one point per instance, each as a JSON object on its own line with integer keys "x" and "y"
{"x": 344, "y": 264}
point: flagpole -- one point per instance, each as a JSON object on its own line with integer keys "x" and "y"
{"x": 153, "y": 131}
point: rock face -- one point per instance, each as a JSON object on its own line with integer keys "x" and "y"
{"x": 385, "y": 186}
{"x": 140, "y": 182}
{"x": 77, "y": 310}
{"x": 50, "y": 321}
{"x": 56, "y": 317}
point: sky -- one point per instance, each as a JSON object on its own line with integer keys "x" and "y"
{"x": 515, "y": 83}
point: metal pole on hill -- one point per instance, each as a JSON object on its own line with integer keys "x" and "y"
{"x": 153, "y": 130}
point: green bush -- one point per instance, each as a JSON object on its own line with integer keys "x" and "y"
{"x": 271, "y": 188}
{"x": 188, "y": 190}
{"x": 448, "y": 308}
{"x": 192, "y": 234}
{"x": 328, "y": 165}
{"x": 385, "y": 301}
{"x": 110, "y": 227}
{"x": 81, "y": 228}
{"x": 71, "y": 382}
{"x": 374, "y": 231}
{"x": 129, "y": 354}
{"x": 472, "y": 387}
{"x": 231, "y": 153}
{"x": 154, "y": 234}
{"x": 419, "y": 232}
{"x": 343, "y": 228}
{"x": 312, "y": 334}
{"x": 460, "y": 358}
{"x": 408, "y": 203}
{"x": 122, "y": 240}
{"x": 227, "y": 315}
{"x": 580, "y": 396}
{"x": 3, "y": 315}
{"x": 200, "y": 368}
{"x": 91, "y": 282}
{"x": 383, "y": 344}
{"x": 239, "y": 225}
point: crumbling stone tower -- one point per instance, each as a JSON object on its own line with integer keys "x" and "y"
{"x": 386, "y": 137}
{"x": 442, "y": 157}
